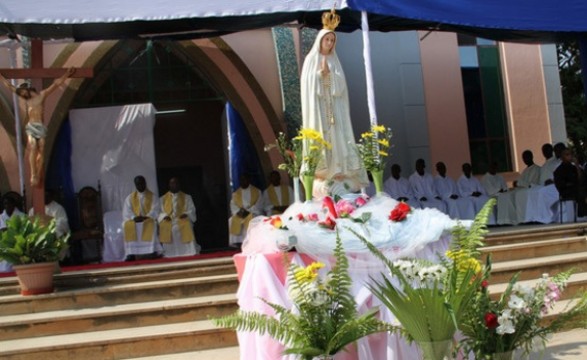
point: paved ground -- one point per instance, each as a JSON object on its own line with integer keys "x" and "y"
{"x": 570, "y": 345}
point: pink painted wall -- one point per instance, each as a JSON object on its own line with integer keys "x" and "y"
{"x": 445, "y": 103}
{"x": 525, "y": 100}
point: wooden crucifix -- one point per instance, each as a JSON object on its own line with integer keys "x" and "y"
{"x": 34, "y": 114}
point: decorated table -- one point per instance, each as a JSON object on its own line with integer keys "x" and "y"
{"x": 263, "y": 264}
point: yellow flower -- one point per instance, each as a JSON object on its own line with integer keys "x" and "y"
{"x": 310, "y": 134}
{"x": 326, "y": 144}
{"x": 382, "y": 153}
{"x": 464, "y": 262}
{"x": 367, "y": 135}
{"x": 379, "y": 128}
{"x": 383, "y": 142}
{"x": 314, "y": 148}
{"x": 307, "y": 274}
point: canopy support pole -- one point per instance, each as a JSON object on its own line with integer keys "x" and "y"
{"x": 368, "y": 71}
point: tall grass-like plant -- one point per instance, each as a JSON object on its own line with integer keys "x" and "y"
{"x": 430, "y": 300}
{"x": 323, "y": 319}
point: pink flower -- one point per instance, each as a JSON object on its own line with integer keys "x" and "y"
{"x": 312, "y": 217}
{"x": 344, "y": 208}
{"x": 360, "y": 201}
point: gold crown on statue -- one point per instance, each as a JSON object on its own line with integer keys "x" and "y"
{"x": 330, "y": 20}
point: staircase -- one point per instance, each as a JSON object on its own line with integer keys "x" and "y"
{"x": 122, "y": 313}
{"x": 161, "y": 311}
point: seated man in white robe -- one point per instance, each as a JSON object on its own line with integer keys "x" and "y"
{"x": 246, "y": 203}
{"x": 10, "y": 211}
{"x": 470, "y": 188}
{"x": 139, "y": 222}
{"x": 399, "y": 187}
{"x": 422, "y": 185}
{"x": 54, "y": 210}
{"x": 493, "y": 183}
{"x": 277, "y": 197}
{"x": 539, "y": 202}
{"x": 506, "y": 203}
{"x": 176, "y": 222}
{"x": 458, "y": 207}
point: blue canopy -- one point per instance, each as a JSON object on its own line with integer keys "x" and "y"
{"x": 529, "y": 20}
{"x": 513, "y": 20}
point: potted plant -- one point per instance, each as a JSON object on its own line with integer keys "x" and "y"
{"x": 323, "y": 318}
{"x": 33, "y": 249}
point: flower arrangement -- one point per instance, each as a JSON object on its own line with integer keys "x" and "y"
{"x": 291, "y": 152}
{"x": 445, "y": 290}
{"x": 400, "y": 212}
{"x": 374, "y": 147}
{"x": 515, "y": 320}
{"x": 323, "y": 319}
{"x": 314, "y": 146}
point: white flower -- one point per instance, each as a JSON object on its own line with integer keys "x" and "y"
{"x": 525, "y": 291}
{"x": 516, "y": 303}
{"x": 506, "y": 314}
{"x": 407, "y": 268}
{"x": 318, "y": 297}
{"x": 505, "y": 327}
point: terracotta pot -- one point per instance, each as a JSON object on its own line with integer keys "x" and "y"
{"x": 35, "y": 279}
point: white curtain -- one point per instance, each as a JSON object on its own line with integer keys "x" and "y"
{"x": 113, "y": 145}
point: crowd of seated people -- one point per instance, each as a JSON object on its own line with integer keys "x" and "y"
{"x": 248, "y": 201}
{"x": 535, "y": 197}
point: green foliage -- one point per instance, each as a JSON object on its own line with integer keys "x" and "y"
{"x": 573, "y": 94}
{"x": 515, "y": 319}
{"x": 325, "y": 319}
{"x": 291, "y": 152}
{"x": 469, "y": 241}
{"x": 27, "y": 242}
{"x": 431, "y": 301}
{"x": 374, "y": 147}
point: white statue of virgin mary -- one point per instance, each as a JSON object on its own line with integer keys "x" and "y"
{"x": 325, "y": 108}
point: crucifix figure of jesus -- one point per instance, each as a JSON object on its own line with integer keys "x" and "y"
{"x": 35, "y": 128}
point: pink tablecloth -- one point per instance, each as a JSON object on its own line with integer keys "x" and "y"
{"x": 263, "y": 276}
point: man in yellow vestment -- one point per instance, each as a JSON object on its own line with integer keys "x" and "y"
{"x": 176, "y": 220}
{"x": 139, "y": 215}
{"x": 245, "y": 204}
{"x": 277, "y": 197}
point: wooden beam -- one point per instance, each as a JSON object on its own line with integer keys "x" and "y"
{"x": 40, "y": 73}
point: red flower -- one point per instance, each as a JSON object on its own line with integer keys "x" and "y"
{"x": 400, "y": 212}
{"x": 491, "y": 320}
{"x": 329, "y": 223}
{"x": 484, "y": 284}
{"x": 300, "y": 217}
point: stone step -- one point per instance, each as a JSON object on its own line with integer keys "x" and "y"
{"x": 120, "y": 294}
{"x": 539, "y": 248}
{"x": 226, "y": 353}
{"x": 576, "y": 282}
{"x": 533, "y": 268}
{"x": 121, "y": 343}
{"x": 116, "y": 316}
{"x": 512, "y": 235}
{"x": 130, "y": 274}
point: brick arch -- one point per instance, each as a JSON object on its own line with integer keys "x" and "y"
{"x": 222, "y": 67}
